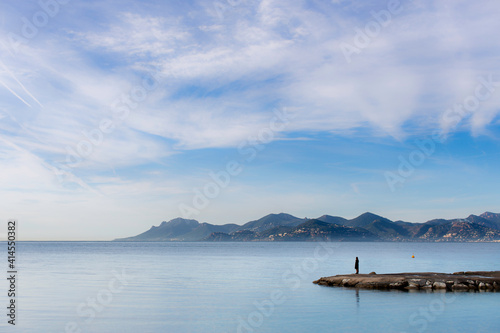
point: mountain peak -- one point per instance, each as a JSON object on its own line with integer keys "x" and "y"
{"x": 495, "y": 217}
{"x": 271, "y": 221}
{"x": 281, "y": 215}
{"x": 369, "y": 215}
{"x": 178, "y": 220}
{"x": 332, "y": 219}
{"x": 365, "y": 219}
{"x": 367, "y": 226}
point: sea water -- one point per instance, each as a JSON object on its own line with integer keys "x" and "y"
{"x": 241, "y": 287}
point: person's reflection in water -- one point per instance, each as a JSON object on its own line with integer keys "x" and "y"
{"x": 357, "y": 297}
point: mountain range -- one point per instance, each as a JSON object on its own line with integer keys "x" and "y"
{"x": 366, "y": 227}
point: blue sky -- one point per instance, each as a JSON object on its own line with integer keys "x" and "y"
{"x": 116, "y": 115}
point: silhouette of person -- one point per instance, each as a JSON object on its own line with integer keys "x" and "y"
{"x": 356, "y": 265}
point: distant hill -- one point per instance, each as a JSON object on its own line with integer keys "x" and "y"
{"x": 366, "y": 219}
{"x": 458, "y": 231}
{"x": 237, "y": 236}
{"x": 271, "y": 221}
{"x": 493, "y": 217}
{"x": 386, "y": 229}
{"x": 205, "y": 229}
{"x": 366, "y": 227}
{"x": 315, "y": 230}
{"x": 483, "y": 221}
{"x": 332, "y": 219}
{"x": 181, "y": 230}
{"x": 312, "y": 230}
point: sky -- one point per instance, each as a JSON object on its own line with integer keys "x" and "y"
{"x": 118, "y": 115}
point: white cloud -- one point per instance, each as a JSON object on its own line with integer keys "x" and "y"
{"x": 286, "y": 52}
{"x": 138, "y": 35}
{"x": 219, "y": 81}
{"x": 386, "y": 85}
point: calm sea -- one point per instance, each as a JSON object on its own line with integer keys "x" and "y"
{"x": 241, "y": 287}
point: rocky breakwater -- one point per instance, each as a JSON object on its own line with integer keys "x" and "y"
{"x": 459, "y": 281}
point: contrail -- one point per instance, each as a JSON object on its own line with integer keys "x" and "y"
{"x": 19, "y": 82}
{"x": 23, "y": 127}
{"x": 55, "y": 170}
{"x": 14, "y": 93}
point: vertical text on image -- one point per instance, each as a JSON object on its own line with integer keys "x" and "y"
{"x": 11, "y": 271}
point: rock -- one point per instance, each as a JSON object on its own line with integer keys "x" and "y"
{"x": 459, "y": 287}
{"x": 472, "y": 283}
{"x": 417, "y": 282}
{"x": 412, "y": 286}
{"x": 485, "y": 281}
{"x": 348, "y": 282}
{"x": 369, "y": 285}
{"x": 439, "y": 285}
{"x": 398, "y": 285}
{"x": 372, "y": 273}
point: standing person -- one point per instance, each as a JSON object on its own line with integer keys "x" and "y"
{"x": 356, "y": 265}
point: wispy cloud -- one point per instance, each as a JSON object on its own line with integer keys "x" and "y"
{"x": 219, "y": 82}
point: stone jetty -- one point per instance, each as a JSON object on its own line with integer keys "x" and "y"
{"x": 459, "y": 281}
